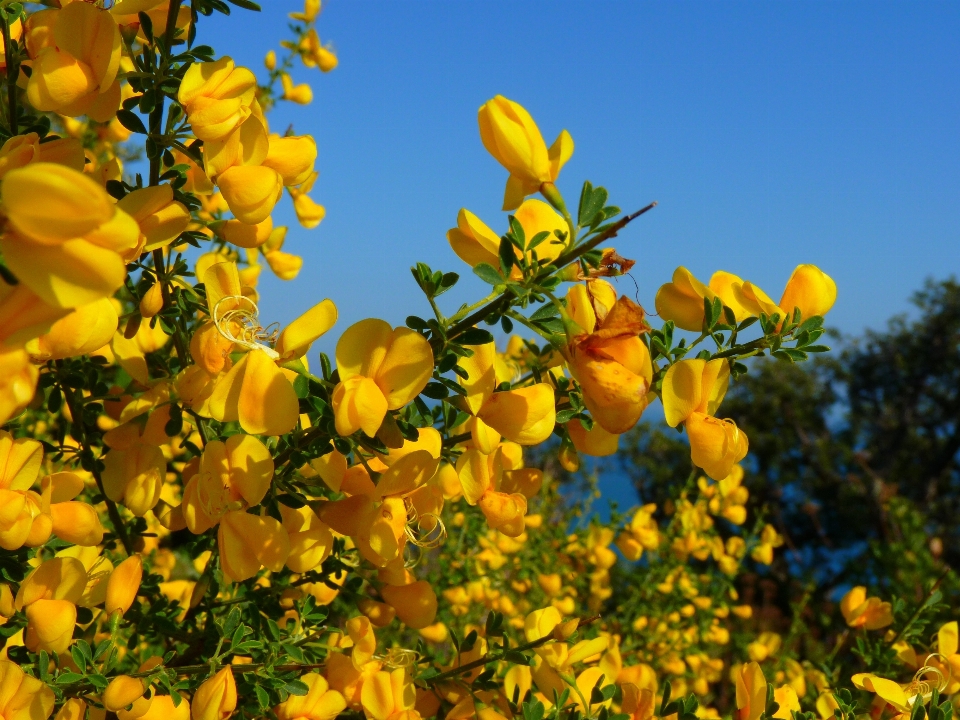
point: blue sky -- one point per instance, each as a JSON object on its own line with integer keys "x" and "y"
{"x": 771, "y": 133}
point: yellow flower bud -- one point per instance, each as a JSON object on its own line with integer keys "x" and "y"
{"x": 811, "y": 290}
{"x": 751, "y": 692}
{"x": 216, "y": 698}
{"x": 152, "y": 301}
{"x": 123, "y": 585}
{"x": 122, "y": 691}
{"x": 270, "y": 61}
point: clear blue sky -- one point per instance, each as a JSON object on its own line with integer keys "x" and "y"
{"x": 771, "y": 133}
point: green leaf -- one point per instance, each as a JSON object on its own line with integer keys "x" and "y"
{"x": 262, "y": 696}
{"x": 68, "y": 678}
{"x": 146, "y": 25}
{"x": 296, "y": 687}
{"x": 131, "y": 121}
{"x": 246, "y": 4}
{"x": 507, "y": 257}
{"x": 436, "y": 391}
{"x": 547, "y": 311}
{"x": 537, "y": 239}
{"x": 475, "y": 336}
{"x": 519, "y": 236}
{"x": 488, "y": 274}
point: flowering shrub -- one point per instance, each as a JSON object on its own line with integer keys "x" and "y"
{"x": 201, "y": 518}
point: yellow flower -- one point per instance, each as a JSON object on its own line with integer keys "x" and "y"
{"x": 786, "y": 697}
{"x": 314, "y": 54}
{"x": 216, "y": 698}
{"x": 134, "y": 477}
{"x": 218, "y": 97}
{"x": 270, "y": 60}
{"x": 809, "y": 289}
{"x": 524, "y": 415}
{"x": 75, "y": 72}
{"x": 751, "y": 692}
{"x": 385, "y": 695}
{"x": 415, "y": 603}
{"x": 21, "y": 150}
{"x": 311, "y": 8}
{"x": 613, "y": 368}
{"x": 309, "y": 213}
{"x": 381, "y": 369}
{"x": 251, "y": 191}
{"x": 122, "y": 691}
{"x": 292, "y": 157}
{"x": 513, "y": 138}
{"x": 87, "y": 328}
{"x": 18, "y": 382}
{"x": 500, "y": 485}
{"x": 256, "y": 391}
{"x": 887, "y": 690}
{"x": 692, "y": 392}
{"x": 319, "y": 703}
{"x": 301, "y": 94}
{"x": 123, "y": 585}
{"x": 769, "y": 539}
{"x": 23, "y": 696}
{"x": 869, "y": 613}
{"x": 66, "y": 238}
{"x": 160, "y": 217}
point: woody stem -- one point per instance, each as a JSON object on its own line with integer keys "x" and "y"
{"x": 13, "y": 70}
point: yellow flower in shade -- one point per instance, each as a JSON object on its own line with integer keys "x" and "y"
{"x": 301, "y": 94}
{"x": 23, "y": 696}
{"x": 886, "y": 690}
{"x": 250, "y": 542}
{"x": 218, "y": 96}
{"x": 216, "y": 698}
{"x": 361, "y": 633}
{"x": 310, "y": 539}
{"x": 869, "y": 613}
{"x": 21, "y": 150}
{"x": 500, "y": 485}
{"x": 50, "y": 625}
{"x": 641, "y": 534}
{"x": 513, "y": 138}
{"x": 596, "y": 442}
{"x": 638, "y": 703}
{"x": 728, "y": 497}
{"x": 388, "y": 695}
{"x": 75, "y": 72}
{"x": 692, "y": 392}
{"x": 769, "y": 539}
{"x": 612, "y": 365}
{"x": 809, "y": 289}
{"x": 948, "y": 659}
{"x": 320, "y": 702}
{"x": 786, "y": 697}
{"x": 381, "y": 369}
{"x": 65, "y": 238}
{"x": 134, "y": 477}
{"x": 87, "y": 328}
{"x": 256, "y": 390}
{"x": 751, "y": 692}
{"x": 123, "y": 585}
{"x": 18, "y": 382}
{"x": 415, "y": 603}
{"x": 524, "y": 415}
{"x": 766, "y": 645}
{"x": 160, "y": 217}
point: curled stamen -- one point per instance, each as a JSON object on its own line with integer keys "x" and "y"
{"x": 922, "y": 685}
{"x": 241, "y": 325}
{"x": 425, "y": 538}
{"x": 399, "y": 658}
